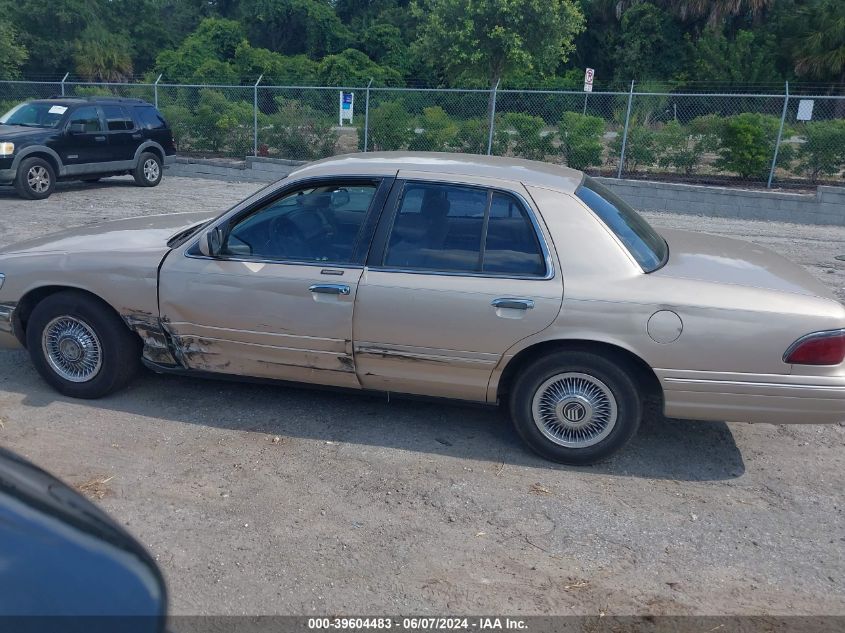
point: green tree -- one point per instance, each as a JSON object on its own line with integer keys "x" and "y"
{"x": 650, "y": 44}
{"x": 485, "y": 39}
{"x": 13, "y": 54}
{"x": 818, "y": 48}
{"x": 352, "y": 67}
{"x": 390, "y": 126}
{"x": 102, "y": 56}
{"x": 206, "y": 51}
{"x": 293, "y": 27}
{"x": 747, "y": 58}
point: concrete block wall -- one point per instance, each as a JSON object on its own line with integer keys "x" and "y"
{"x": 826, "y": 206}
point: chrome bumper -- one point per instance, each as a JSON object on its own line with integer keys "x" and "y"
{"x": 765, "y": 398}
{"x": 7, "y": 331}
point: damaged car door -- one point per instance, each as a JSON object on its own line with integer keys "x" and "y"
{"x": 274, "y": 298}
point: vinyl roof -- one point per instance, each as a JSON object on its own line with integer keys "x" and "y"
{"x": 528, "y": 172}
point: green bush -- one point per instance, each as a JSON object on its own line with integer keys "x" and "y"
{"x": 580, "y": 140}
{"x": 639, "y": 149}
{"x": 823, "y": 150}
{"x": 438, "y": 133}
{"x": 526, "y": 137}
{"x": 297, "y": 132}
{"x": 748, "y": 143}
{"x": 682, "y": 148}
{"x": 390, "y": 126}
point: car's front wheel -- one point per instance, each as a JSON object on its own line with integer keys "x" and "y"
{"x": 80, "y": 346}
{"x": 35, "y": 179}
{"x": 575, "y": 407}
{"x": 148, "y": 172}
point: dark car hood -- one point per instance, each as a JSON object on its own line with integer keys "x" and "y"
{"x": 723, "y": 260}
{"x": 11, "y": 132}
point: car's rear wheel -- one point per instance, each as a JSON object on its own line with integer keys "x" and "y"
{"x": 148, "y": 172}
{"x": 80, "y": 346}
{"x": 575, "y": 407}
{"x": 35, "y": 179}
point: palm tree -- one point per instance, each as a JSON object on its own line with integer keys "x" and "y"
{"x": 102, "y": 56}
{"x": 818, "y": 49}
{"x": 715, "y": 11}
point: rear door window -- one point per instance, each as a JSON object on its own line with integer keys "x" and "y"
{"x": 460, "y": 229}
{"x": 89, "y": 117}
{"x": 117, "y": 118}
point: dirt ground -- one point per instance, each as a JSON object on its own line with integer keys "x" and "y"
{"x": 273, "y": 500}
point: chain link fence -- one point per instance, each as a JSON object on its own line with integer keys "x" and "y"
{"x": 708, "y": 138}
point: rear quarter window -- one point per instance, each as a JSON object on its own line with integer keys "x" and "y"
{"x": 642, "y": 241}
{"x": 150, "y": 119}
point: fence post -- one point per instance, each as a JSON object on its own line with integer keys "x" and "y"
{"x": 367, "y": 115}
{"x": 492, "y": 118}
{"x": 63, "y": 83}
{"x": 255, "y": 116}
{"x": 780, "y": 134}
{"x": 625, "y": 133}
{"x": 155, "y": 91}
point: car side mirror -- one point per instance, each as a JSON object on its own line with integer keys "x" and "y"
{"x": 76, "y": 128}
{"x": 211, "y": 242}
{"x": 68, "y": 563}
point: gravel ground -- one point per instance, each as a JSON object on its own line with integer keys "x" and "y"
{"x": 272, "y": 500}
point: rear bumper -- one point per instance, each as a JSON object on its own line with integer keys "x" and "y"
{"x": 767, "y": 398}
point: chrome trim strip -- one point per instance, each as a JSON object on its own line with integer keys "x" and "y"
{"x": 7, "y": 311}
{"x": 746, "y": 383}
{"x": 257, "y": 260}
{"x": 2, "y": 279}
{"x": 807, "y": 337}
{"x": 396, "y": 353}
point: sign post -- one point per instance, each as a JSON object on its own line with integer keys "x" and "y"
{"x": 589, "y": 75}
{"x": 347, "y": 105}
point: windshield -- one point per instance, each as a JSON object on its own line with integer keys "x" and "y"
{"x": 643, "y": 242}
{"x": 45, "y": 115}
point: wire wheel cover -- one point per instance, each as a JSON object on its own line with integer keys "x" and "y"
{"x": 574, "y": 410}
{"x": 72, "y": 349}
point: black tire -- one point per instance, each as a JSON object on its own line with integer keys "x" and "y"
{"x": 145, "y": 174}
{"x": 120, "y": 350}
{"x": 35, "y": 179}
{"x": 623, "y": 393}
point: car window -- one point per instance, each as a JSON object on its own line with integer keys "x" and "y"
{"x": 317, "y": 224}
{"x": 642, "y": 241}
{"x": 150, "y": 118}
{"x": 34, "y": 115}
{"x": 441, "y": 227}
{"x": 511, "y": 245}
{"x": 117, "y": 118}
{"x": 438, "y": 227}
{"x": 88, "y": 117}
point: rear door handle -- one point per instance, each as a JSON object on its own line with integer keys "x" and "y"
{"x": 136, "y": 137}
{"x": 513, "y": 304}
{"x": 99, "y": 138}
{"x": 330, "y": 289}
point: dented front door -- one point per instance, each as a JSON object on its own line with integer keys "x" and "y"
{"x": 277, "y": 301}
{"x": 281, "y": 321}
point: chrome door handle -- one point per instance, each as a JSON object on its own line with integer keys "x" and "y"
{"x": 330, "y": 289}
{"x": 513, "y": 304}
{"x": 99, "y": 138}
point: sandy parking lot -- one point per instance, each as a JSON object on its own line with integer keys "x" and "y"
{"x": 261, "y": 499}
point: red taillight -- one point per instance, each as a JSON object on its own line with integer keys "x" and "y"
{"x": 821, "y": 348}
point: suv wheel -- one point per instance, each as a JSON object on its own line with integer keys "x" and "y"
{"x": 148, "y": 173}
{"x": 575, "y": 407}
{"x": 35, "y": 179}
{"x": 80, "y": 346}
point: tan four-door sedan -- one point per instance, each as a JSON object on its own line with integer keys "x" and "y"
{"x": 457, "y": 276}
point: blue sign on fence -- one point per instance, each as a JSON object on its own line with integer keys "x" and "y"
{"x": 347, "y": 105}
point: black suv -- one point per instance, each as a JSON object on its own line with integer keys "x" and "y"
{"x": 82, "y": 139}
